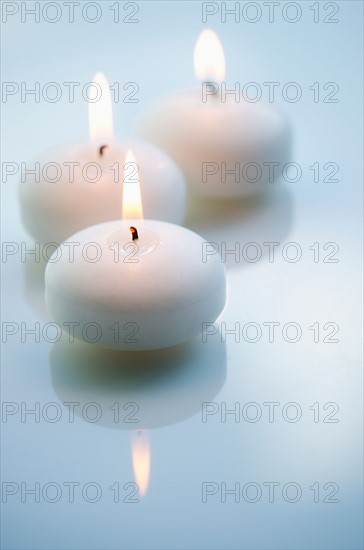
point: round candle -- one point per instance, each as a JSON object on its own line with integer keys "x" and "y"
{"x": 81, "y": 184}
{"x": 140, "y": 284}
{"x": 134, "y": 285}
{"x": 226, "y": 148}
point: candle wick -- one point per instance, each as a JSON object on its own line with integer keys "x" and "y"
{"x": 102, "y": 148}
{"x": 134, "y": 233}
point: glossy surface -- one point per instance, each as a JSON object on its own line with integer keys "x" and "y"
{"x": 169, "y": 390}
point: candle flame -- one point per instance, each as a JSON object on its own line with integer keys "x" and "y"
{"x": 132, "y": 200}
{"x": 141, "y": 459}
{"x": 209, "y": 58}
{"x": 100, "y": 112}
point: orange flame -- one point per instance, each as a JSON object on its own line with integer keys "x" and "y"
{"x": 132, "y": 200}
{"x": 100, "y": 112}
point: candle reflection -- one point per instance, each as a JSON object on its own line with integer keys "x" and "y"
{"x": 167, "y": 386}
{"x": 139, "y": 391}
{"x": 140, "y": 449}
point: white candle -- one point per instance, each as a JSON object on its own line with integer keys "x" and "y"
{"x": 149, "y": 287}
{"x": 81, "y": 184}
{"x": 209, "y": 139}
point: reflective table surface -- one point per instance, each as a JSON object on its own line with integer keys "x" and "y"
{"x": 248, "y": 437}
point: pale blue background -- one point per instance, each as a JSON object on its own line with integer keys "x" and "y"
{"x": 157, "y": 53}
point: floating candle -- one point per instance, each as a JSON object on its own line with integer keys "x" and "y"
{"x": 81, "y": 184}
{"x": 226, "y": 146}
{"x": 136, "y": 284}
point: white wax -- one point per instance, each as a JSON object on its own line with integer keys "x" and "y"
{"x": 193, "y": 133}
{"x": 52, "y": 211}
{"x": 156, "y": 290}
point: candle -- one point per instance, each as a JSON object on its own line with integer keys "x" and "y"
{"x": 134, "y": 284}
{"x": 224, "y": 144}
{"x": 81, "y": 184}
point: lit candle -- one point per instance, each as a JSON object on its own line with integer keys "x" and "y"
{"x": 81, "y": 184}
{"x": 140, "y": 284}
{"x": 225, "y": 146}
